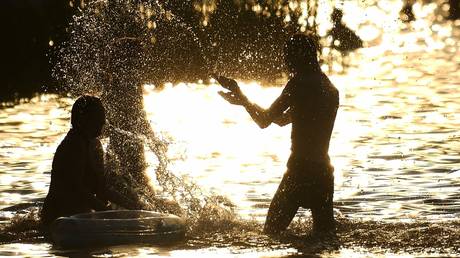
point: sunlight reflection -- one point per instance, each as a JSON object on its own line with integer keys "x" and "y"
{"x": 395, "y": 136}
{"x": 394, "y": 146}
{"x": 229, "y": 252}
{"x": 241, "y": 158}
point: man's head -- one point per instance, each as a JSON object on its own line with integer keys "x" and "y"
{"x": 300, "y": 53}
{"x": 88, "y": 116}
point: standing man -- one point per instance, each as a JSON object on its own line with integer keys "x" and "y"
{"x": 309, "y": 101}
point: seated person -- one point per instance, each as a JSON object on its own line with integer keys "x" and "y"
{"x": 77, "y": 175}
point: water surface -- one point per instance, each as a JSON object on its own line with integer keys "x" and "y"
{"x": 395, "y": 149}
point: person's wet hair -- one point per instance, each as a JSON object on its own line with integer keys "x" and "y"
{"x": 83, "y": 107}
{"x": 301, "y": 52}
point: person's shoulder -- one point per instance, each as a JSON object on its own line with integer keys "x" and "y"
{"x": 72, "y": 142}
{"x": 332, "y": 87}
{"x": 326, "y": 80}
{"x": 335, "y": 93}
{"x": 292, "y": 82}
{"x": 327, "y": 83}
{"x": 291, "y": 85}
{"x": 302, "y": 79}
{"x": 304, "y": 84}
{"x": 70, "y": 151}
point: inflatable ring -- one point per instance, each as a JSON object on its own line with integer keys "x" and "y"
{"x": 116, "y": 227}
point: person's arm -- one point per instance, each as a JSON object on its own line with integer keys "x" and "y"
{"x": 284, "y": 119}
{"x": 103, "y": 191}
{"x": 121, "y": 199}
{"x": 98, "y": 168}
{"x": 257, "y": 113}
{"x": 262, "y": 117}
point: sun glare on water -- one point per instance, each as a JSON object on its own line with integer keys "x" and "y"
{"x": 216, "y": 143}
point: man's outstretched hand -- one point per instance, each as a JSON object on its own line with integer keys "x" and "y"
{"x": 227, "y": 83}
{"x": 234, "y": 96}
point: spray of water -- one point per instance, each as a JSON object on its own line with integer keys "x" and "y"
{"x": 114, "y": 48}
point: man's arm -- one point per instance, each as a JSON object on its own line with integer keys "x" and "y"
{"x": 262, "y": 117}
{"x": 284, "y": 119}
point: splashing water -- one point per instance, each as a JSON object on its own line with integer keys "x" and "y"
{"x": 202, "y": 210}
{"x": 115, "y": 47}
{"x": 138, "y": 40}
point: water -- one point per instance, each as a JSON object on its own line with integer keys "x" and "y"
{"x": 395, "y": 149}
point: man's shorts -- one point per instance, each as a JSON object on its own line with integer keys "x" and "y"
{"x": 309, "y": 184}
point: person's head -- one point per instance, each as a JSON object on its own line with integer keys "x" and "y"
{"x": 301, "y": 53}
{"x": 337, "y": 15}
{"x": 88, "y": 116}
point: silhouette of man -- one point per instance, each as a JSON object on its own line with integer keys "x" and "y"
{"x": 309, "y": 101}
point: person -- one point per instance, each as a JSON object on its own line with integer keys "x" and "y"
{"x": 343, "y": 38}
{"x": 309, "y": 101}
{"x": 407, "y": 14}
{"x": 77, "y": 183}
{"x": 454, "y": 10}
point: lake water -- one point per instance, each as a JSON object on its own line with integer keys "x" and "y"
{"x": 395, "y": 149}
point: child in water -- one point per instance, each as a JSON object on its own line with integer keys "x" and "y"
{"x": 77, "y": 175}
{"x": 309, "y": 101}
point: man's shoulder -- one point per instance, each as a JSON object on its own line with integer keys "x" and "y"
{"x": 312, "y": 84}
{"x": 327, "y": 83}
{"x": 303, "y": 81}
{"x": 331, "y": 87}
